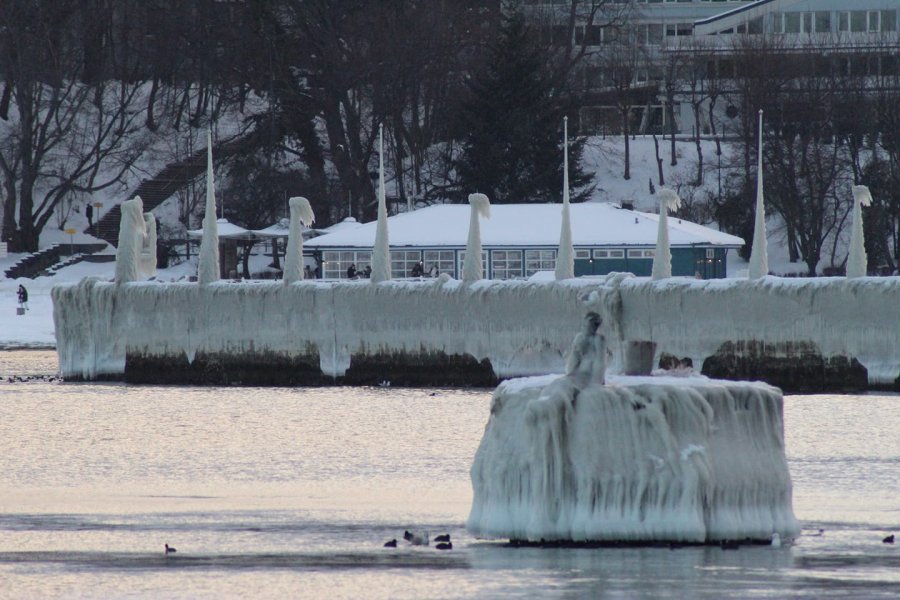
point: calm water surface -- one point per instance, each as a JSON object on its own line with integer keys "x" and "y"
{"x": 280, "y": 492}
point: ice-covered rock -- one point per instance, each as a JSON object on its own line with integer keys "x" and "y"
{"x": 643, "y": 459}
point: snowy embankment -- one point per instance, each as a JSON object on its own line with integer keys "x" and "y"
{"x": 640, "y": 460}
{"x": 793, "y": 328}
{"x": 521, "y": 328}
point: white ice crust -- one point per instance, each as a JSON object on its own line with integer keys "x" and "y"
{"x": 633, "y": 461}
{"x": 523, "y": 328}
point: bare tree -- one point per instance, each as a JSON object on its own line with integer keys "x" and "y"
{"x": 64, "y": 136}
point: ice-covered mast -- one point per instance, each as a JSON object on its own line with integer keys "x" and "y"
{"x": 857, "y": 260}
{"x": 565, "y": 256}
{"x": 759, "y": 259}
{"x": 381, "y": 255}
{"x": 208, "y": 262}
{"x": 132, "y": 231}
{"x": 472, "y": 267}
{"x": 301, "y": 214}
{"x": 662, "y": 258}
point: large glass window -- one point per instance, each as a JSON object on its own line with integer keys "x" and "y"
{"x": 402, "y": 262}
{"x": 439, "y": 261}
{"x": 823, "y": 21}
{"x": 539, "y": 260}
{"x": 889, "y": 20}
{"x": 506, "y": 264}
{"x": 335, "y": 264}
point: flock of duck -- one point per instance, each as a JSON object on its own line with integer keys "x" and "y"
{"x": 442, "y": 542}
{"x": 421, "y": 539}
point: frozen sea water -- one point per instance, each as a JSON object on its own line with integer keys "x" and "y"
{"x": 273, "y": 493}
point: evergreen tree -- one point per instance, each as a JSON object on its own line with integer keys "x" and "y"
{"x": 512, "y": 123}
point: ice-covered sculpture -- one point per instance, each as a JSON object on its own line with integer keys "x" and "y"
{"x": 857, "y": 261}
{"x": 565, "y": 256}
{"x": 473, "y": 269}
{"x": 148, "y": 247}
{"x": 643, "y": 460}
{"x": 132, "y": 232}
{"x": 662, "y": 258}
{"x": 208, "y": 261}
{"x": 301, "y": 214}
{"x": 759, "y": 257}
{"x": 381, "y": 255}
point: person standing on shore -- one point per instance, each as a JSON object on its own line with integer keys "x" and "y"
{"x": 22, "y": 293}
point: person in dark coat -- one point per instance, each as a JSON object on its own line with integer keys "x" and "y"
{"x": 23, "y": 297}
{"x": 418, "y": 270}
{"x": 351, "y": 271}
{"x": 89, "y": 213}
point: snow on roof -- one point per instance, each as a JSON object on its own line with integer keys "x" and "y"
{"x": 593, "y": 224}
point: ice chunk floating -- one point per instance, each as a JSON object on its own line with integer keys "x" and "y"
{"x": 639, "y": 460}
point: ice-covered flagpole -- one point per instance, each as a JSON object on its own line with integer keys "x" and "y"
{"x": 759, "y": 259}
{"x": 857, "y": 260}
{"x": 131, "y": 241}
{"x": 381, "y": 255}
{"x": 301, "y": 214}
{"x": 208, "y": 262}
{"x": 565, "y": 256}
{"x": 148, "y": 245}
{"x": 472, "y": 267}
{"x": 662, "y": 258}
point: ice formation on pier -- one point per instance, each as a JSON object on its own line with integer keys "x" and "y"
{"x": 473, "y": 268}
{"x": 565, "y": 256}
{"x": 301, "y": 214}
{"x": 662, "y": 258}
{"x": 208, "y": 261}
{"x": 759, "y": 254}
{"x": 641, "y": 460}
{"x": 136, "y": 252}
{"x": 857, "y": 261}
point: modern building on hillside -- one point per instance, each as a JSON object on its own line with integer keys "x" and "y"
{"x": 520, "y": 240}
{"x": 695, "y": 42}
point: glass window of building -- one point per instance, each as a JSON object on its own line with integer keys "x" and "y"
{"x": 336, "y": 263}
{"x": 822, "y": 23}
{"x": 441, "y": 260}
{"x": 506, "y": 264}
{"x": 539, "y": 260}
{"x": 889, "y": 20}
{"x": 402, "y": 262}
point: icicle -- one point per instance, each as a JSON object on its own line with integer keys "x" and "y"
{"x": 208, "y": 262}
{"x": 662, "y": 258}
{"x": 131, "y": 241}
{"x": 381, "y": 254}
{"x": 857, "y": 259}
{"x": 759, "y": 259}
{"x": 565, "y": 256}
{"x": 301, "y": 214}
{"x": 472, "y": 265}
{"x": 148, "y": 247}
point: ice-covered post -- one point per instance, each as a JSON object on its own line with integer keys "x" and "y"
{"x": 208, "y": 262}
{"x": 148, "y": 247}
{"x": 472, "y": 267}
{"x": 301, "y": 214}
{"x": 662, "y": 258}
{"x": 857, "y": 260}
{"x": 565, "y": 256}
{"x": 759, "y": 259}
{"x": 131, "y": 241}
{"x": 381, "y": 253}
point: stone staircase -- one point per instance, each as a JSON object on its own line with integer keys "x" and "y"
{"x": 172, "y": 178}
{"x": 42, "y": 263}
